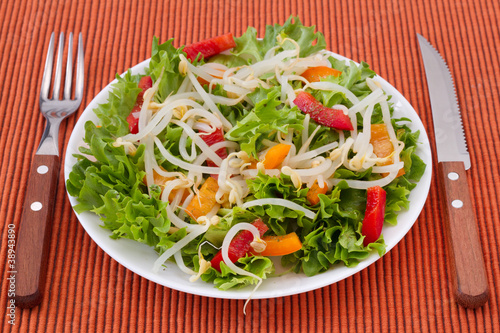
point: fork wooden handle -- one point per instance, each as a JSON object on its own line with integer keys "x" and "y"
{"x": 467, "y": 263}
{"x": 33, "y": 237}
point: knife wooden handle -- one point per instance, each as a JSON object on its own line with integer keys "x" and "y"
{"x": 467, "y": 263}
{"x": 33, "y": 237}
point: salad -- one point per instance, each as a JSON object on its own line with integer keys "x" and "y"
{"x": 231, "y": 151}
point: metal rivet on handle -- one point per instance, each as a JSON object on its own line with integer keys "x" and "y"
{"x": 42, "y": 169}
{"x": 453, "y": 176}
{"x": 457, "y": 203}
{"x": 36, "y": 206}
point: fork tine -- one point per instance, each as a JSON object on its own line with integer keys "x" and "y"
{"x": 47, "y": 72}
{"x": 79, "y": 69}
{"x": 69, "y": 69}
{"x": 57, "y": 78}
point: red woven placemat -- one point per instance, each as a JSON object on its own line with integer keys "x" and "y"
{"x": 407, "y": 290}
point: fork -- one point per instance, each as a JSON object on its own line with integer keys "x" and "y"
{"x": 34, "y": 233}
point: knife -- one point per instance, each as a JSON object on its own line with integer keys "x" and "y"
{"x": 467, "y": 265}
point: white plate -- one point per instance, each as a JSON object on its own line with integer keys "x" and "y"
{"x": 139, "y": 257}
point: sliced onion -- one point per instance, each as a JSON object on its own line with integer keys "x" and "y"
{"x": 291, "y": 153}
{"x": 184, "y": 165}
{"x": 341, "y": 138}
{"x": 193, "y": 167}
{"x": 183, "y": 144}
{"x": 280, "y": 202}
{"x": 162, "y": 118}
{"x": 182, "y": 212}
{"x": 201, "y": 229}
{"x": 330, "y": 86}
{"x": 271, "y": 52}
{"x": 305, "y": 130}
{"x": 213, "y": 69}
{"x": 387, "y": 120}
{"x": 372, "y": 98}
{"x": 203, "y": 127}
{"x": 212, "y": 119}
{"x": 266, "y": 66}
{"x": 252, "y": 173}
{"x": 199, "y": 142}
{"x": 226, "y": 101}
{"x": 388, "y": 168}
{"x": 189, "y": 96}
{"x": 225, "y": 253}
{"x": 292, "y": 77}
{"x": 180, "y": 263}
{"x": 313, "y": 153}
{"x": 364, "y": 184}
{"x": 204, "y": 95}
{"x": 236, "y": 89}
{"x": 178, "y": 222}
{"x": 149, "y": 161}
{"x": 313, "y": 171}
{"x": 173, "y": 184}
{"x": 201, "y": 72}
{"x": 168, "y": 174}
{"x": 145, "y": 113}
{"x": 372, "y": 84}
{"x": 184, "y": 86}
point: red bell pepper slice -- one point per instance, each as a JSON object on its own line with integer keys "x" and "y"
{"x": 210, "y": 47}
{"x": 145, "y": 83}
{"x": 133, "y": 118}
{"x": 213, "y": 138}
{"x": 240, "y": 245}
{"x": 321, "y": 114}
{"x": 374, "y": 215}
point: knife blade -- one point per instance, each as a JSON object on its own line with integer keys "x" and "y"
{"x": 467, "y": 264}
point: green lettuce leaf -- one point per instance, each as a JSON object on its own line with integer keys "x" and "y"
{"x": 249, "y": 49}
{"x": 227, "y": 279}
{"x": 353, "y": 77}
{"x": 264, "y": 120}
{"x": 112, "y": 188}
{"x": 165, "y": 64}
{"x": 113, "y": 114}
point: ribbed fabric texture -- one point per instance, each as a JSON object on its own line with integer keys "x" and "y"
{"x": 409, "y": 289}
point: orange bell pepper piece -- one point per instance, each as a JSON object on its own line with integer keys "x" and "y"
{"x": 280, "y": 245}
{"x": 382, "y": 145}
{"x": 253, "y": 165}
{"x": 312, "y": 194}
{"x": 315, "y": 74}
{"x": 204, "y": 201}
{"x": 204, "y": 82}
{"x": 276, "y": 155}
{"x": 162, "y": 182}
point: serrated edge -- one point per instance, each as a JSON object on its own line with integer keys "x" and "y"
{"x": 462, "y": 143}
